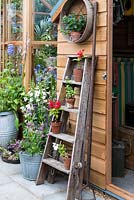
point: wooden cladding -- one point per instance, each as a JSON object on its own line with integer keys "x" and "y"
{"x": 98, "y": 171}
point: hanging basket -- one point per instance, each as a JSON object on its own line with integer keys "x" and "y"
{"x": 87, "y": 10}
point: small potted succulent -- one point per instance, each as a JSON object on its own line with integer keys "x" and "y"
{"x": 73, "y": 25}
{"x": 54, "y": 112}
{"x": 62, "y": 150}
{"x": 78, "y": 70}
{"x": 64, "y": 156}
{"x": 70, "y": 92}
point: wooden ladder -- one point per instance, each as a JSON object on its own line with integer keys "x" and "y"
{"x": 78, "y": 140}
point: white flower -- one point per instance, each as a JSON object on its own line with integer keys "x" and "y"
{"x": 37, "y": 93}
{"x": 55, "y": 146}
{"x": 31, "y": 100}
{"x": 25, "y": 99}
{"x": 30, "y": 93}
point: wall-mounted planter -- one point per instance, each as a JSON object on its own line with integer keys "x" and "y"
{"x": 85, "y": 7}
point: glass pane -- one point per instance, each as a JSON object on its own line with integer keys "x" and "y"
{"x": 44, "y": 60}
{"x": 44, "y": 29}
{"x": 14, "y": 20}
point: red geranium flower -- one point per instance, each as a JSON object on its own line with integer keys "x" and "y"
{"x": 80, "y": 53}
{"x": 57, "y": 104}
{"x": 51, "y": 104}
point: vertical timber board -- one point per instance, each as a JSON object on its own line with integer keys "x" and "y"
{"x": 27, "y": 37}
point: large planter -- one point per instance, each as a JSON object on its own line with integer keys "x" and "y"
{"x": 30, "y": 165}
{"x": 8, "y": 130}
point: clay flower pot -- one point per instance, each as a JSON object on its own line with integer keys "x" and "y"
{"x": 77, "y": 73}
{"x": 74, "y": 36}
{"x": 55, "y": 127}
{"x": 70, "y": 102}
{"x": 67, "y": 162}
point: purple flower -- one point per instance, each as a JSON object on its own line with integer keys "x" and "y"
{"x": 41, "y": 128}
{"x": 10, "y": 50}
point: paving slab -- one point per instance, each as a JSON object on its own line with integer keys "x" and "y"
{"x": 9, "y": 169}
{"x": 4, "y": 179}
{"x": 41, "y": 190}
{"x": 14, "y": 187}
{"x": 13, "y": 191}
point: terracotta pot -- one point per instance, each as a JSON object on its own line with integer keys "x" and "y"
{"x": 77, "y": 73}
{"x": 74, "y": 36}
{"x": 67, "y": 162}
{"x": 56, "y": 126}
{"x": 70, "y": 103}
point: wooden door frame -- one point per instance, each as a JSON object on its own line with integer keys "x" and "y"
{"x": 109, "y": 185}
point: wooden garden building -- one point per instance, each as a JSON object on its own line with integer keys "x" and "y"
{"x": 112, "y": 157}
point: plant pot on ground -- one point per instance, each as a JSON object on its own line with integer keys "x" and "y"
{"x": 11, "y": 95}
{"x": 35, "y": 129}
{"x": 54, "y": 112}
{"x": 10, "y": 154}
{"x": 70, "y": 100}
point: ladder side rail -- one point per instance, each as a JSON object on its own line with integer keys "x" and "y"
{"x": 79, "y": 132}
{"x": 90, "y": 104}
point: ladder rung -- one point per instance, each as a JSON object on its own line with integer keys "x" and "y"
{"x": 73, "y": 110}
{"x": 55, "y": 164}
{"x": 63, "y": 136}
{"x": 73, "y": 82}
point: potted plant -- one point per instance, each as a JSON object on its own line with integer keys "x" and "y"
{"x": 62, "y": 150}
{"x": 78, "y": 70}
{"x": 73, "y": 25}
{"x": 35, "y": 128}
{"x": 11, "y": 98}
{"x": 11, "y": 153}
{"x": 54, "y": 112}
{"x": 69, "y": 94}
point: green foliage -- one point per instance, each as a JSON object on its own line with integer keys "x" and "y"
{"x": 62, "y": 150}
{"x": 36, "y": 119}
{"x": 45, "y": 30}
{"x": 73, "y": 22}
{"x": 11, "y": 89}
{"x": 17, "y": 3}
{"x": 41, "y": 55}
{"x": 69, "y": 90}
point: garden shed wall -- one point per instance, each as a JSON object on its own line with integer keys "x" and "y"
{"x": 98, "y": 164}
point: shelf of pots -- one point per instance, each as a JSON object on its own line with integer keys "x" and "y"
{"x": 54, "y": 112}
{"x": 70, "y": 92}
{"x": 11, "y": 95}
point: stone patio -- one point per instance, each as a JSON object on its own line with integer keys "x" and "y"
{"x": 14, "y": 187}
